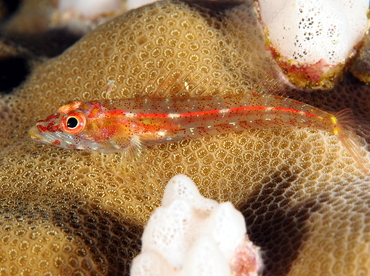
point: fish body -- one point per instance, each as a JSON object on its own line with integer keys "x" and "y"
{"x": 127, "y": 124}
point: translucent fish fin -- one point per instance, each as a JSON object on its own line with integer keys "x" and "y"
{"x": 346, "y": 119}
{"x": 138, "y": 145}
{"x": 135, "y": 148}
{"x": 178, "y": 83}
{"x": 166, "y": 86}
{"x": 273, "y": 86}
{"x": 166, "y": 83}
{"x": 349, "y": 139}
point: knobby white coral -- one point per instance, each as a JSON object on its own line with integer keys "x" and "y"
{"x": 193, "y": 235}
{"x": 89, "y": 8}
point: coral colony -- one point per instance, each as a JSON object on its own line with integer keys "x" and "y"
{"x": 304, "y": 198}
{"x": 193, "y": 235}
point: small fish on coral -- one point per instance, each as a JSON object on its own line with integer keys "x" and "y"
{"x": 303, "y": 197}
{"x": 127, "y": 125}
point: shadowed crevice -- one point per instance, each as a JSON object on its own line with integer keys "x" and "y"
{"x": 112, "y": 242}
{"x": 13, "y": 71}
{"x": 276, "y": 225}
{"x": 215, "y": 6}
{"x": 49, "y": 43}
{"x": 215, "y": 9}
{"x": 8, "y": 8}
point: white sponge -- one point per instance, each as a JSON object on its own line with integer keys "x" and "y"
{"x": 89, "y": 8}
{"x": 133, "y": 4}
{"x": 193, "y": 235}
{"x": 205, "y": 258}
{"x": 310, "y": 31}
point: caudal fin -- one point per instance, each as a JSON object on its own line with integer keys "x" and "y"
{"x": 349, "y": 139}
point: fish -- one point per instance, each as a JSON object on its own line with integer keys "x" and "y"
{"x": 131, "y": 124}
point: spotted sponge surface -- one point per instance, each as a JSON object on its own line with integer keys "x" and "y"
{"x": 308, "y": 31}
{"x": 66, "y": 212}
{"x": 313, "y": 40}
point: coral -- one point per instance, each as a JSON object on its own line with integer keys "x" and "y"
{"x": 312, "y": 40}
{"x": 79, "y": 17}
{"x": 48, "y": 27}
{"x": 82, "y": 16}
{"x": 89, "y": 8}
{"x": 133, "y": 4}
{"x": 304, "y": 198}
{"x": 30, "y": 17}
{"x": 193, "y": 235}
{"x": 361, "y": 67}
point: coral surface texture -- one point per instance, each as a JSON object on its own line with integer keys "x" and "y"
{"x": 68, "y": 212}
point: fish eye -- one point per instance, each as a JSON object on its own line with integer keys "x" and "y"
{"x": 73, "y": 123}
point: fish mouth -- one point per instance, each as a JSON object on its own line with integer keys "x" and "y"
{"x": 43, "y": 137}
{"x": 34, "y": 133}
{"x": 47, "y": 131}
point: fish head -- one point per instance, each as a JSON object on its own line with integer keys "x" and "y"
{"x": 66, "y": 127}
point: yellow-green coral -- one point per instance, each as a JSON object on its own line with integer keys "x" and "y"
{"x": 62, "y": 212}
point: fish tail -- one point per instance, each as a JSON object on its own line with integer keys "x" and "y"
{"x": 344, "y": 129}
